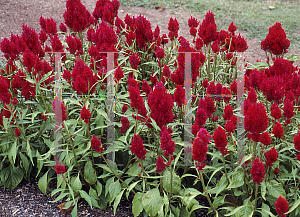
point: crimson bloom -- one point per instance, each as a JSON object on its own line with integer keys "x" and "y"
{"x": 208, "y": 29}
{"x": 258, "y": 171}
{"x": 85, "y": 114}
{"x": 179, "y": 95}
{"x": 200, "y": 148}
{"x": 166, "y": 143}
{"x": 256, "y": 119}
{"x": 161, "y": 104}
{"x": 297, "y": 141}
{"x": 275, "y": 111}
{"x": 160, "y": 164}
{"x": 278, "y": 130}
{"x": 77, "y": 17}
{"x": 220, "y": 139}
{"x": 271, "y": 156}
{"x": 281, "y": 206}
{"x": 137, "y": 147}
{"x": 125, "y": 124}
{"x": 59, "y": 168}
{"x": 276, "y": 41}
{"x": 96, "y": 144}
{"x": 17, "y": 132}
{"x": 265, "y": 138}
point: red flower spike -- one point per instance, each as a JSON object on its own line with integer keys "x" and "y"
{"x": 281, "y": 206}
{"x": 137, "y": 147}
{"x": 125, "y": 124}
{"x": 166, "y": 143}
{"x": 297, "y": 141}
{"x": 276, "y": 41}
{"x": 85, "y": 114}
{"x": 96, "y": 144}
{"x": 232, "y": 27}
{"x": 276, "y": 171}
{"x": 256, "y": 118}
{"x": 220, "y": 139}
{"x": 179, "y": 95}
{"x": 17, "y": 132}
{"x": 258, "y": 171}
{"x": 265, "y": 138}
{"x": 228, "y": 112}
{"x": 275, "y": 111}
{"x": 200, "y": 148}
{"x": 278, "y": 130}
{"x": 271, "y": 156}
{"x": 160, "y": 164}
{"x": 59, "y": 168}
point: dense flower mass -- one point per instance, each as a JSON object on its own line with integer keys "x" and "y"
{"x": 220, "y": 139}
{"x": 166, "y": 143}
{"x": 208, "y": 29}
{"x": 137, "y": 147}
{"x": 137, "y": 101}
{"x": 96, "y": 144}
{"x": 125, "y": 124}
{"x": 77, "y": 17}
{"x": 281, "y": 206}
{"x": 85, "y": 114}
{"x": 256, "y": 119}
{"x": 160, "y": 164}
{"x": 297, "y": 141}
{"x": 271, "y": 156}
{"x": 258, "y": 171}
{"x": 276, "y": 41}
{"x": 59, "y": 168}
{"x": 200, "y": 148}
{"x": 161, "y": 104}
{"x": 278, "y": 130}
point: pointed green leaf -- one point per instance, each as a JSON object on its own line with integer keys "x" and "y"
{"x": 117, "y": 201}
{"x": 152, "y": 202}
{"x": 137, "y": 206}
{"x": 176, "y": 182}
{"x": 43, "y": 183}
{"x": 90, "y": 173}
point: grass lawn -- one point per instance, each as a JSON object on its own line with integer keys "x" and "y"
{"x": 255, "y": 17}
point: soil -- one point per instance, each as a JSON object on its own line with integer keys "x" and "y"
{"x": 27, "y": 199}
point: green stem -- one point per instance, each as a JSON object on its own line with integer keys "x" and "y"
{"x": 207, "y": 197}
{"x": 290, "y": 200}
{"x": 256, "y": 190}
{"x": 171, "y": 170}
{"x": 225, "y": 167}
{"x": 116, "y": 174}
{"x": 73, "y": 150}
{"x": 144, "y": 174}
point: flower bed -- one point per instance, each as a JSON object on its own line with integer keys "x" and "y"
{"x": 121, "y": 122}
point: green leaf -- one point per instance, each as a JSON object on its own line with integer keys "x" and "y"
{"x": 265, "y": 211}
{"x": 152, "y": 202}
{"x": 99, "y": 188}
{"x": 93, "y": 195}
{"x": 246, "y": 210}
{"x": 76, "y": 183}
{"x": 295, "y": 205}
{"x": 13, "y": 153}
{"x": 28, "y": 149}
{"x": 114, "y": 190}
{"x": 130, "y": 188}
{"x": 137, "y": 206}
{"x": 25, "y": 162}
{"x": 219, "y": 201}
{"x": 263, "y": 189}
{"x": 90, "y": 173}
{"x": 275, "y": 189}
{"x": 221, "y": 185}
{"x": 176, "y": 182}
{"x": 43, "y": 183}
{"x": 237, "y": 179}
{"x": 11, "y": 176}
{"x": 134, "y": 170}
{"x": 85, "y": 196}
{"x": 117, "y": 201}
{"x": 74, "y": 211}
